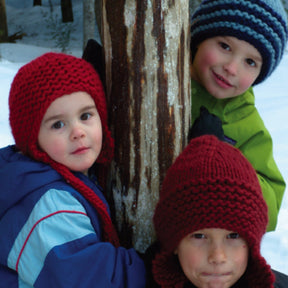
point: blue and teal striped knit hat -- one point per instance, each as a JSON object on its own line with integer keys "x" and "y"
{"x": 262, "y": 23}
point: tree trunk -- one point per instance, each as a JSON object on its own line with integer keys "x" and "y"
{"x": 67, "y": 12}
{"x": 37, "y": 2}
{"x": 146, "y": 47}
{"x": 89, "y": 21}
{"x": 3, "y": 23}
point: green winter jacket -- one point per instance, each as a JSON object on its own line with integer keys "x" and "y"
{"x": 243, "y": 125}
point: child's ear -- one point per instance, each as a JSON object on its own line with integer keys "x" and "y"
{"x": 176, "y": 251}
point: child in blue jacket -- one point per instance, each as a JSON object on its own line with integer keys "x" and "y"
{"x": 55, "y": 225}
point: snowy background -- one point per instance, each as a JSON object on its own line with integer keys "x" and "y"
{"x": 271, "y": 96}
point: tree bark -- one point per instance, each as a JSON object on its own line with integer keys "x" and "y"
{"x": 67, "y": 12}
{"x": 3, "y": 23}
{"x": 146, "y": 47}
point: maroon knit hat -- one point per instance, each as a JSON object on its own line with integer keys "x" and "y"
{"x": 35, "y": 86}
{"x": 210, "y": 185}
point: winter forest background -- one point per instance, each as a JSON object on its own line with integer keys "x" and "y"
{"x": 40, "y": 29}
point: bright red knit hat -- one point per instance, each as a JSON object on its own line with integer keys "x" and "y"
{"x": 46, "y": 78}
{"x": 210, "y": 185}
{"x": 35, "y": 86}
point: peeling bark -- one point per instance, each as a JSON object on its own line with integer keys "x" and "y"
{"x": 146, "y": 47}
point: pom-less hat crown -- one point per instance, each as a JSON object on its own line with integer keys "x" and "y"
{"x": 262, "y": 23}
{"x": 210, "y": 185}
{"x": 35, "y": 86}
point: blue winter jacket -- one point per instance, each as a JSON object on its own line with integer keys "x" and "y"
{"x": 50, "y": 236}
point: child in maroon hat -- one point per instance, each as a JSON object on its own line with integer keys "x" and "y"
{"x": 210, "y": 220}
{"x": 55, "y": 225}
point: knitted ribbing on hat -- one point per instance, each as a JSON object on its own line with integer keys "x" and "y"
{"x": 35, "y": 86}
{"x": 210, "y": 185}
{"x": 262, "y": 23}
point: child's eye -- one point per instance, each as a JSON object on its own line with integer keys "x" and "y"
{"x": 58, "y": 125}
{"x": 198, "y": 236}
{"x": 233, "y": 235}
{"x": 251, "y": 62}
{"x": 224, "y": 46}
{"x": 85, "y": 116}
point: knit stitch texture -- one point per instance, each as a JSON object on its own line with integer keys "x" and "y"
{"x": 262, "y": 23}
{"x": 35, "y": 86}
{"x": 210, "y": 185}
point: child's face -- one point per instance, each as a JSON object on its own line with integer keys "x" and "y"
{"x": 226, "y": 66}
{"x": 213, "y": 258}
{"x": 71, "y": 131}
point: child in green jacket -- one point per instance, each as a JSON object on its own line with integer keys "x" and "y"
{"x": 235, "y": 45}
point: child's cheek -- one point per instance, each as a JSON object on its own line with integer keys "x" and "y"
{"x": 245, "y": 82}
{"x": 208, "y": 60}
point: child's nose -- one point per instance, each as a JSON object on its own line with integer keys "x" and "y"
{"x": 77, "y": 132}
{"x": 231, "y": 67}
{"x": 217, "y": 254}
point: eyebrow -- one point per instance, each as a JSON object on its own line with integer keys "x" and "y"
{"x": 59, "y": 116}
{"x": 257, "y": 58}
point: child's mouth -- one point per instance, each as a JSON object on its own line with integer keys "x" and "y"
{"x": 222, "y": 82}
